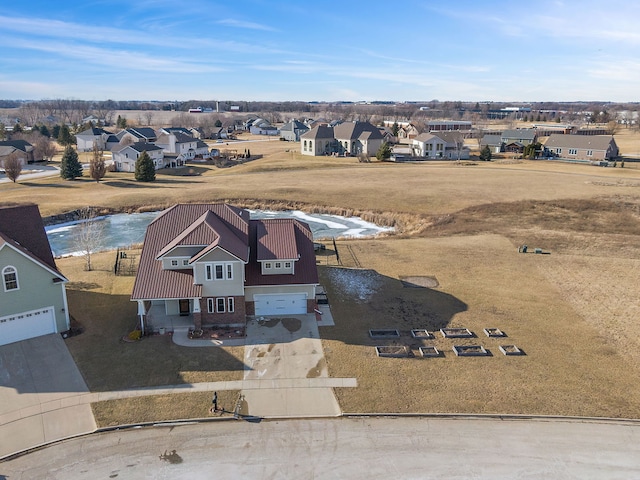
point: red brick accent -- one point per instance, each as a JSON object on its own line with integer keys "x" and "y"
{"x": 311, "y": 305}
{"x": 250, "y": 308}
{"x": 238, "y": 316}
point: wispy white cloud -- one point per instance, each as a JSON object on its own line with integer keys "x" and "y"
{"x": 230, "y": 22}
{"x": 121, "y": 59}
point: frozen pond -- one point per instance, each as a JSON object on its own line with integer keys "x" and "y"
{"x": 122, "y": 230}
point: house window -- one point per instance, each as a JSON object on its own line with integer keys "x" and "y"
{"x": 10, "y": 278}
{"x": 573, "y": 151}
{"x": 211, "y": 307}
{"x": 558, "y": 151}
{"x": 229, "y": 271}
{"x": 218, "y": 271}
{"x": 267, "y": 265}
{"x": 589, "y": 153}
{"x": 208, "y": 269}
{"x": 287, "y": 264}
{"x": 231, "y": 306}
{"x": 220, "y": 304}
{"x": 305, "y": 145}
{"x": 185, "y": 262}
{"x": 278, "y": 265}
{"x": 174, "y": 263}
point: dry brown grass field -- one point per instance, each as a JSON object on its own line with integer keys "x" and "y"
{"x": 573, "y": 312}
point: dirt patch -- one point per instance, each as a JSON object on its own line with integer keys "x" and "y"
{"x": 419, "y": 282}
{"x": 292, "y": 324}
{"x": 316, "y": 371}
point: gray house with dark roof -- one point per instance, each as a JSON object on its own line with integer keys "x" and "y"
{"x": 211, "y": 264}
{"x": 33, "y": 298}
{"x": 347, "y": 138}
{"x": 292, "y": 130}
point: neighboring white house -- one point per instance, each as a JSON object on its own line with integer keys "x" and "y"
{"x": 125, "y": 158}
{"x": 445, "y": 145}
{"x": 92, "y": 136}
{"x": 184, "y": 146}
{"x": 260, "y": 126}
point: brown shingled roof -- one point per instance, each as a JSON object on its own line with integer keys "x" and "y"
{"x": 306, "y": 272}
{"x": 276, "y": 239}
{"x": 22, "y": 226}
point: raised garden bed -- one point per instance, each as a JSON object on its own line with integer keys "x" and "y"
{"x": 384, "y": 333}
{"x": 456, "y": 333}
{"x": 510, "y": 350}
{"x": 421, "y": 333}
{"x": 430, "y": 351}
{"x": 394, "y": 351}
{"x": 494, "y": 332}
{"x": 471, "y": 351}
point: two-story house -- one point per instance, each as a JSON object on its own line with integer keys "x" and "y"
{"x": 33, "y": 299}
{"x": 214, "y": 265}
{"x": 125, "y": 158}
{"x": 446, "y": 145}
{"x": 346, "y": 138}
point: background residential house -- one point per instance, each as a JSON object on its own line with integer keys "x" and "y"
{"x": 318, "y": 141}
{"x": 292, "y": 130}
{"x": 446, "y": 145}
{"x": 33, "y": 298}
{"x": 184, "y": 146}
{"x": 138, "y": 134}
{"x": 212, "y": 265}
{"x": 94, "y": 135}
{"x": 582, "y": 147}
{"x": 494, "y": 142}
{"x": 22, "y": 148}
{"x": 125, "y": 158}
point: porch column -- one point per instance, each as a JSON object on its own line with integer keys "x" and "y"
{"x": 197, "y": 314}
{"x": 141, "y": 313}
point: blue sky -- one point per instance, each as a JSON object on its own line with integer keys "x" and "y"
{"x": 473, "y": 50}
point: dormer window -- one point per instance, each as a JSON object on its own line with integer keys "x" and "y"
{"x": 10, "y": 278}
{"x": 267, "y": 265}
{"x": 174, "y": 263}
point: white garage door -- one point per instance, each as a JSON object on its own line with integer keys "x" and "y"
{"x": 280, "y": 303}
{"x": 20, "y": 326}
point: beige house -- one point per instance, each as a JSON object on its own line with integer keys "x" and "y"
{"x": 582, "y": 147}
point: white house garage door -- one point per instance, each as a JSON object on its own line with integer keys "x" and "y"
{"x": 20, "y": 326}
{"x": 280, "y": 303}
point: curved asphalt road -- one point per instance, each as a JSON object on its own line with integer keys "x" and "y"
{"x": 401, "y": 447}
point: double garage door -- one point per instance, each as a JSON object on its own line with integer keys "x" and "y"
{"x": 280, "y": 304}
{"x": 21, "y": 326}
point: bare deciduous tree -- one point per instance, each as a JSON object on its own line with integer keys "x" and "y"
{"x": 97, "y": 167}
{"x": 13, "y": 166}
{"x": 89, "y": 234}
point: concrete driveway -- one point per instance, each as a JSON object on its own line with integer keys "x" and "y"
{"x": 287, "y": 353}
{"x": 41, "y": 394}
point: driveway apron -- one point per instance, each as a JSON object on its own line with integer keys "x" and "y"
{"x": 286, "y": 348}
{"x": 41, "y": 394}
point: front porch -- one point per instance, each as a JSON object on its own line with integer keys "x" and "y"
{"x": 157, "y": 318}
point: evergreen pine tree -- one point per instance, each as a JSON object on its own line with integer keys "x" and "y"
{"x": 384, "y": 152}
{"x": 70, "y": 167}
{"x": 64, "y": 137}
{"x": 45, "y": 131}
{"x": 485, "y": 154}
{"x": 145, "y": 170}
{"x": 55, "y": 131}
